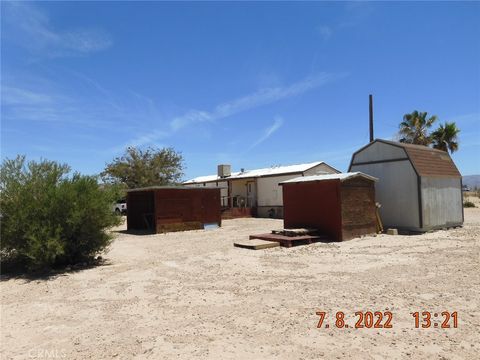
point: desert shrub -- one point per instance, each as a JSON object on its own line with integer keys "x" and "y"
{"x": 49, "y": 217}
{"x": 468, "y": 204}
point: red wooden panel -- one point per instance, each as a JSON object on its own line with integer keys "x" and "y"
{"x": 169, "y": 208}
{"x": 187, "y": 206}
{"x": 313, "y": 205}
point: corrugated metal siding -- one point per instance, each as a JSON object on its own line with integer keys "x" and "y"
{"x": 378, "y": 151}
{"x": 410, "y": 196}
{"x": 442, "y": 202}
{"x": 396, "y": 191}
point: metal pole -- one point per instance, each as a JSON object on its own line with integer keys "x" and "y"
{"x": 370, "y": 100}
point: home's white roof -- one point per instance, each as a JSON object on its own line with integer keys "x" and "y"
{"x": 274, "y": 170}
{"x": 207, "y": 178}
{"x": 341, "y": 177}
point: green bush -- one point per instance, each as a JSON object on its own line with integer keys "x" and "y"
{"x": 468, "y": 204}
{"x": 49, "y": 218}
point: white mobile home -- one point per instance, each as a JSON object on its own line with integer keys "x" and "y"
{"x": 419, "y": 188}
{"x": 256, "y": 192}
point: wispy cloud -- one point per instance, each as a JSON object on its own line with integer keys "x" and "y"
{"x": 87, "y": 109}
{"x": 12, "y": 96}
{"x": 277, "y": 123}
{"x": 29, "y": 99}
{"x": 25, "y": 103}
{"x": 91, "y": 105}
{"x": 226, "y": 109}
{"x": 261, "y": 97}
{"x": 29, "y": 26}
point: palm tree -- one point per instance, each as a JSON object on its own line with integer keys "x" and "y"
{"x": 414, "y": 128}
{"x": 445, "y": 137}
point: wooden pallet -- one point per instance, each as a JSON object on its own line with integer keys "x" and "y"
{"x": 256, "y": 244}
{"x": 289, "y": 241}
{"x": 295, "y": 232}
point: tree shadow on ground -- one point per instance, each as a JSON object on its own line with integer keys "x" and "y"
{"x": 11, "y": 271}
{"x": 135, "y": 232}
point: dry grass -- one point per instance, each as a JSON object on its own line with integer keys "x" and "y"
{"x": 473, "y": 197}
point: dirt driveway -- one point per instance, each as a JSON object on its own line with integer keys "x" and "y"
{"x": 193, "y": 295}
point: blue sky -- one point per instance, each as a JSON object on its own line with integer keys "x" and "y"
{"x": 250, "y": 84}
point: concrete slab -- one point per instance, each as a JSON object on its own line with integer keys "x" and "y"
{"x": 256, "y": 244}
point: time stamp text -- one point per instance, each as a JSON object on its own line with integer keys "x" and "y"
{"x": 385, "y": 320}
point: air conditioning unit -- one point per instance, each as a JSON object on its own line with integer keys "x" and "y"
{"x": 224, "y": 170}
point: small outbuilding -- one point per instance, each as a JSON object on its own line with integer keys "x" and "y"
{"x": 341, "y": 206}
{"x": 172, "y": 208}
{"x": 419, "y": 188}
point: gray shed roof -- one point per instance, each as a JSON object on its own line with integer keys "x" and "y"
{"x": 341, "y": 177}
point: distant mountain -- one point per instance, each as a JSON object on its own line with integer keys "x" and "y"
{"x": 472, "y": 181}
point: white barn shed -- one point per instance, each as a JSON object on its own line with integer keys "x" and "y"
{"x": 419, "y": 188}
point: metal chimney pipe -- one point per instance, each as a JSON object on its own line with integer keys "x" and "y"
{"x": 370, "y": 100}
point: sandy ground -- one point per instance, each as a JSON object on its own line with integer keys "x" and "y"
{"x": 193, "y": 295}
